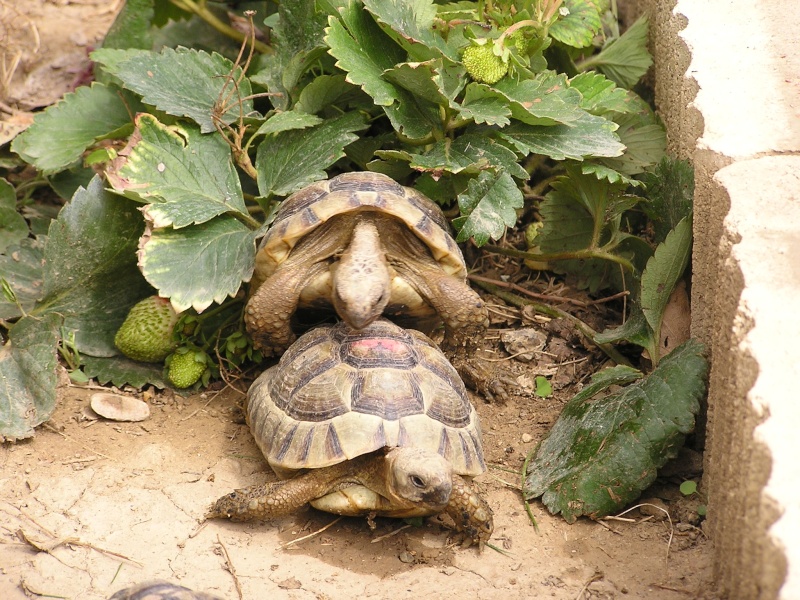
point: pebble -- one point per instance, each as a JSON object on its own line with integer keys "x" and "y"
{"x": 527, "y": 438}
{"x": 654, "y": 507}
{"x": 119, "y": 408}
{"x": 524, "y": 344}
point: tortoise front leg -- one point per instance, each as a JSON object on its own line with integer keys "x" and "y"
{"x": 471, "y": 513}
{"x": 460, "y": 307}
{"x": 269, "y": 311}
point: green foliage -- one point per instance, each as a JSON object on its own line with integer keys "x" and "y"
{"x": 602, "y": 453}
{"x": 28, "y": 376}
{"x": 59, "y": 135}
{"x": 207, "y": 145}
{"x": 13, "y": 228}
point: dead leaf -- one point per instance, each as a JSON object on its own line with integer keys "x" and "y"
{"x": 290, "y": 584}
{"x": 676, "y": 324}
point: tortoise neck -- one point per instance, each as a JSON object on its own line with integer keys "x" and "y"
{"x": 362, "y": 281}
{"x": 366, "y": 240}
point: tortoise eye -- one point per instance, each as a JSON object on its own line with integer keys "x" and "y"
{"x": 417, "y": 481}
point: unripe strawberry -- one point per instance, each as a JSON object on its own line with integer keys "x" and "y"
{"x": 483, "y": 65}
{"x": 185, "y": 368}
{"x": 146, "y": 333}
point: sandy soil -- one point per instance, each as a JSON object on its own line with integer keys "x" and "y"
{"x": 88, "y": 507}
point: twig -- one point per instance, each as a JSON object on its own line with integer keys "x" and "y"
{"x": 390, "y": 534}
{"x": 666, "y": 512}
{"x": 54, "y": 543}
{"x": 197, "y": 410}
{"x": 673, "y": 589}
{"x": 548, "y": 297}
{"x": 525, "y": 502}
{"x": 312, "y": 534}
{"x": 230, "y": 567}
{"x": 607, "y": 526}
{"x": 529, "y": 351}
{"x": 592, "y": 579}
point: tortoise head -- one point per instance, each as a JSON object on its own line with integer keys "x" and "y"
{"x": 362, "y": 280}
{"x": 420, "y": 477}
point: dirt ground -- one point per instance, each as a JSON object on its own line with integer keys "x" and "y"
{"x": 89, "y": 506}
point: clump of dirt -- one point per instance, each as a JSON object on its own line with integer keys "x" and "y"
{"x": 90, "y": 506}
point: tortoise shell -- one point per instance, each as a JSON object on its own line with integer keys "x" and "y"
{"x": 338, "y": 393}
{"x": 304, "y": 211}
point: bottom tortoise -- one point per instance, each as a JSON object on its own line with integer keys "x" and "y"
{"x": 365, "y": 421}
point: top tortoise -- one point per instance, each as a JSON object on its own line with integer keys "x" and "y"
{"x": 366, "y": 246}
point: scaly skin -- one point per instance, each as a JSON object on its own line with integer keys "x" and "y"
{"x": 470, "y": 512}
{"x": 459, "y": 306}
{"x": 268, "y": 314}
{"x": 362, "y": 280}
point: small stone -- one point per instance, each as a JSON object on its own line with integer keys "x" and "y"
{"x": 654, "y": 507}
{"x": 527, "y": 438}
{"x": 523, "y": 344}
{"x": 406, "y": 557}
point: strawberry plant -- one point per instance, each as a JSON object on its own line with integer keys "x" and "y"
{"x": 173, "y": 160}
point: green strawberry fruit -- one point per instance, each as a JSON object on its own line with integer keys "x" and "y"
{"x": 184, "y": 369}
{"x": 146, "y": 333}
{"x": 483, "y": 65}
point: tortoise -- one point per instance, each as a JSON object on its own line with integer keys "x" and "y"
{"x": 374, "y": 420}
{"x": 364, "y": 245}
{"x": 160, "y": 590}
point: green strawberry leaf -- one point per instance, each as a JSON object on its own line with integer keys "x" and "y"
{"x": 60, "y": 134}
{"x": 644, "y": 137}
{"x": 663, "y": 271}
{"x": 670, "y": 188}
{"x": 90, "y": 273}
{"x": 364, "y": 52}
{"x": 470, "y": 153}
{"x": 488, "y": 207}
{"x": 214, "y": 258}
{"x": 624, "y": 60}
{"x": 411, "y": 25}
{"x": 132, "y": 27}
{"x": 28, "y": 362}
{"x": 436, "y": 81}
{"x": 286, "y": 121}
{"x": 547, "y": 99}
{"x": 635, "y": 330}
{"x": 609, "y": 174}
{"x": 602, "y": 453}
{"x": 13, "y": 227}
{"x": 323, "y": 92}
{"x": 579, "y": 26}
{"x": 188, "y": 177}
{"x": 182, "y": 82}
{"x": 297, "y": 38}
{"x": 588, "y": 136}
{"x": 601, "y": 95}
{"x": 21, "y": 268}
{"x": 291, "y": 160}
{"x": 483, "y": 104}
{"x": 120, "y": 371}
